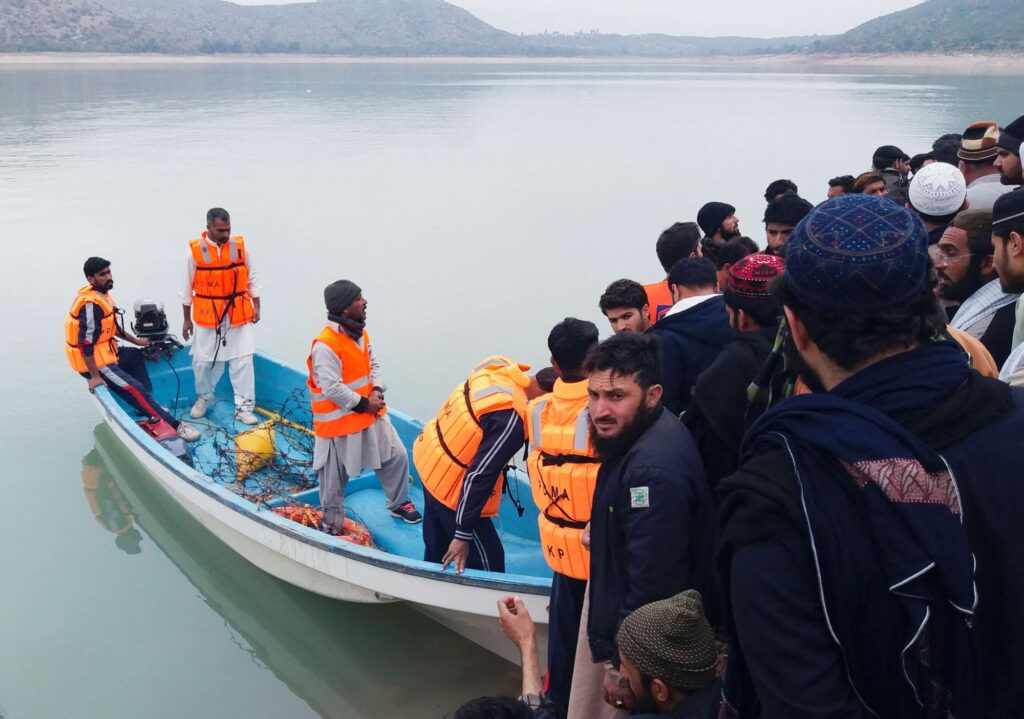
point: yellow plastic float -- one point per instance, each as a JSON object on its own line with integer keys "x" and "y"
{"x": 254, "y": 448}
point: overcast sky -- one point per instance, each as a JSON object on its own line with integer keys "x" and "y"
{"x": 752, "y": 18}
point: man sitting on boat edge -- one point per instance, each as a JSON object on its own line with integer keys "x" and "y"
{"x": 92, "y": 350}
{"x": 352, "y": 429}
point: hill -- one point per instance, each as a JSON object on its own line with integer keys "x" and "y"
{"x": 64, "y": 25}
{"x": 340, "y": 27}
{"x": 435, "y": 27}
{"x": 938, "y": 26}
{"x": 653, "y": 45}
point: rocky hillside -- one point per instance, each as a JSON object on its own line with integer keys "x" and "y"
{"x": 343, "y": 27}
{"x": 68, "y": 25}
{"x": 435, "y": 27}
{"x": 938, "y": 26}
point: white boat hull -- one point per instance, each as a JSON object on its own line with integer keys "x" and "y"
{"x": 466, "y": 607}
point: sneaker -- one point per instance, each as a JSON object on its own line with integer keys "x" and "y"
{"x": 246, "y": 417}
{"x": 187, "y": 432}
{"x": 199, "y": 408}
{"x": 408, "y": 513}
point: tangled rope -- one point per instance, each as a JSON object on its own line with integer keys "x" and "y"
{"x": 288, "y": 472}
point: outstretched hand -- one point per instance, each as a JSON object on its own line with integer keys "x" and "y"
{"x": 516, "y": 621}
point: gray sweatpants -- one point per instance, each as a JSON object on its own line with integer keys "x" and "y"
{"x": 393, "y": 476}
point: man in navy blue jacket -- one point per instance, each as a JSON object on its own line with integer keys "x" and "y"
{"x": 870, "y": 541}
{"x": 652, "y": 525}
{"x": 693, "y": 332}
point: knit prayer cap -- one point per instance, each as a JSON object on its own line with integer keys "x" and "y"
{"x": 787, "y": 210}
{"x": 1012, "y": 136}
{"x": 752, "y": 276}
{"x": 857, "y": 252}
{"x": 938, "y": 190}
{"x": 979, "y": 141}
{"x": 340, "y": 294}
{"x": 671, "y": 640}
{"x": 712, "y": 215}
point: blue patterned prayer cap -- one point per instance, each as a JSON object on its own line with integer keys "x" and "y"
{"x": 857, "y": 252}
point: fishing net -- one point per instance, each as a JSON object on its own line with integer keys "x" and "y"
{"x": 270, "y": 463}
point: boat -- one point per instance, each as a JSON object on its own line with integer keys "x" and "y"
{"x": 240, "y": 510}
{"x": 325, "y": 652}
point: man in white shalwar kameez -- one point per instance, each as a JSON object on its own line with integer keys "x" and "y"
{"x": 231, "y": 340}
{"x": 352, "y": 431}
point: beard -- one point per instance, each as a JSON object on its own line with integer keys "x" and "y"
{"x": 1012, "y": 285}
{"x": 796, "y": 364}
{"x": 645, "y": 704}
{"x": 964, "y": 287}
{"x": 609, "y": 447}
{"x": 729, "y": 234}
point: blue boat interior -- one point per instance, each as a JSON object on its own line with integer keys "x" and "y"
{"x": 288, "y": 479}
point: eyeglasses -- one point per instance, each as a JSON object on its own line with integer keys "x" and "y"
{"x": 944, "y": 254}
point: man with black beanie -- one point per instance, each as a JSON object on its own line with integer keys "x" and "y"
{"x": 780, "y": 217}
{"x": 718, "y": 222}
{"x": 1008, "y": 157}
{"x": 352, "y": 429}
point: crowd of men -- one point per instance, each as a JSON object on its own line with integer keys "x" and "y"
{"x": 786, "y": 486}
{"x": 799, "y": 491}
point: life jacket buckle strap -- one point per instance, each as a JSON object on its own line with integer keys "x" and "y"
{"x": 564, "y": 522}
{"x": 557, "y": 460}
{"x": 469, "y": 405}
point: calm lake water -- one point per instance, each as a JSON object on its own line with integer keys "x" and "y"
{"x": 476, "y": 204}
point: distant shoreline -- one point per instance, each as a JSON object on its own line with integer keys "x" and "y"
{"x": 968, "y": 63}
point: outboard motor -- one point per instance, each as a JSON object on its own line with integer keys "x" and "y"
{"x": 151, "y": 323}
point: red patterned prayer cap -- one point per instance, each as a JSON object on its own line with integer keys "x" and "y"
{"x": 752, "y": 275}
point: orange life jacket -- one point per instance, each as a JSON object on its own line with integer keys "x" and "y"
{"x": 105, "y": 350}
{"x": 659, "y": 299}
{"x": 330, "y": 420}
{"x": 563, "y": 474}
{"x": 446, "y": 446}
{"x": 220, "y": 286}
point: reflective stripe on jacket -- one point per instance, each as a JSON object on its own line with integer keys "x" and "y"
{"x": 329, "y": 419}
{"x": 563, "y": 473}
{"x": 220, "y": 286}
{"x": 105, "y": 346}
{"x": 449, "y": 442}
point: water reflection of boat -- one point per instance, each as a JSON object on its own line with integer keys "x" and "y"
{"x": 238, "y": 515}
{"x": 344, "y": 660}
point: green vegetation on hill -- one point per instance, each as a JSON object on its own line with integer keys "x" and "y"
{"x": 938, "y": 26}
{"x": 64, "y": 25}
{"x": 435, "y": 27}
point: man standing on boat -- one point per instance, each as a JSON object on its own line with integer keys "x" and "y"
{"x": 350, "y": 420}
{"x": 220, "y": 300}
{"x": 563, "y": 473}
{"x": 461, "y": 456}
{"x": 90, "y": 333}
